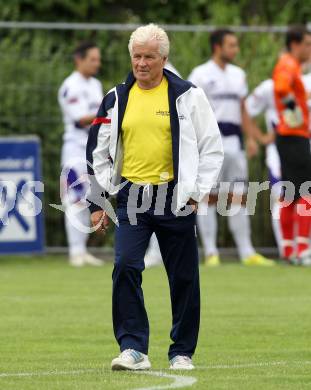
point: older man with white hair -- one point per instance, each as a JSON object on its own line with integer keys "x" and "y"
{"x": 156, "y": 145}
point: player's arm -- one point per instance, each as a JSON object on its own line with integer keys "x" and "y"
{"x": 256, "y": 104}
{"x": 85, "y": 121}
{"x": 248, "y": 125}
{"x": 259, "y": 135}
{"x": 251, "y": 131}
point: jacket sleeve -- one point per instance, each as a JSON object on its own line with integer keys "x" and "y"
{"x": 209, "y": 144}
{"x": 97, "y": 154}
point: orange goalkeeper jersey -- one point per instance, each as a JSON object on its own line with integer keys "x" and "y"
{"x": 287, "y": 81}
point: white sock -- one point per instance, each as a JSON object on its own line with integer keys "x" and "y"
{"x": 239, "y": 226}
{"x": 76, "y": 239}
{"x": 207, "y": 223}
{"x": 276, "y": 225}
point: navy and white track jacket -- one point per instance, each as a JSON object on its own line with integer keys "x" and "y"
{"x": 196, "y": 142}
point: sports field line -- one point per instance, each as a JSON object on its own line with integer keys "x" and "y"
{"x": 157, "y": 373}
{"x": 179, "y": 381}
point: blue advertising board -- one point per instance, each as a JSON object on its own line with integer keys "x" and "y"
{"x": 21, "y": 190}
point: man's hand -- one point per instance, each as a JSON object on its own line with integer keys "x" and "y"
{"x": 251, "y": 147}
{"x": 100, "y": 221}
{"x": 267, "y": 138}
{"x": 194, "y": 205}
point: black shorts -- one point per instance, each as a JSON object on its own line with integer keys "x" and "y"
{"x": 295, "y": 157}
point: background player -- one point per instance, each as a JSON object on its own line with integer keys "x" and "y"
{"x": 261, "y": 100}
{"x": 79, "y": 97}
{"x": 226, "y": 87}
{"x": 293, "y": 144}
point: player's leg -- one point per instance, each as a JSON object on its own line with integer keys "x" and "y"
{"x": 303, "y": 225}
{"x": 239, "y": 226}
{"x": 303, "y": 203}
{"x": 287, "y": 148}
{"x": 77, "y": 217}
{"x": 178, "y": 244}
{"x": 275, "y": 218}
{"x": 274, "y": 170}
{"x": 130, "y": 321}
{"x": 73, "y": 191}
{"x": 207, "y": 223}
{"x": 239, "y": 223}
{"x": 287, "y": 220}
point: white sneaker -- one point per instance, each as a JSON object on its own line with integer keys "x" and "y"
{"x": 92, "y": 260}
{"x": 130, "y": 359}
{"x": 305, "y": 258}
{"x": 76, "y": 260}
{"x": 180, "y": 362}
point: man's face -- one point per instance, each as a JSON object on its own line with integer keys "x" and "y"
{"x": 90, "y": 64}
{"x": 229, "y": 48}
{"x": 147, "y": 62}
{"x": 304, "y": 48}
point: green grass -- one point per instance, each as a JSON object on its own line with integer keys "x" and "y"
{"x": 255, "y": 328}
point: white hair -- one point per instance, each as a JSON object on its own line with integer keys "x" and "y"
{"x": 147, "y": 33}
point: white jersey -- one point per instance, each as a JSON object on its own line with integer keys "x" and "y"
{"x": 78, "y": 97}
{"x": 225, "y": 90}
{"x": 171, "y": 67}
{"x": 307, "y": 83}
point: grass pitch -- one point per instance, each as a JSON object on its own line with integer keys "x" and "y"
{"x": 56, "y": 331}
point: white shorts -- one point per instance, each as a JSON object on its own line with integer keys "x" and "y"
{"x": 74, "y": 179}
{"x": 234, "y": 170}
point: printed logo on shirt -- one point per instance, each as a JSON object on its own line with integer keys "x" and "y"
{"x": 225, "y": 96}
{"x": 210, "y": 84}
{"x": 73, "y": 100}
{"x": 163, "y": 113}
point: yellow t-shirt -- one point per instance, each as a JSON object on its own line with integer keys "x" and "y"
{"x": 146, "y": 136}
